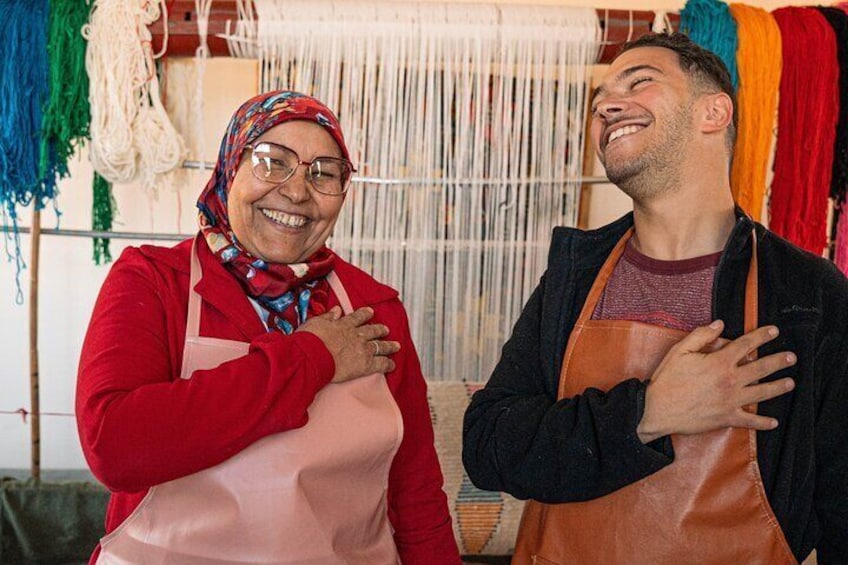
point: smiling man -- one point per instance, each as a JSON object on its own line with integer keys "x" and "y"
{"x": 676, "y": 388}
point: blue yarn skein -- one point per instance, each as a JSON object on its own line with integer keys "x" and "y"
{"x": 23, "y": 92}
{"x": 710, "y": 24}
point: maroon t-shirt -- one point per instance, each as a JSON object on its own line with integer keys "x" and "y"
{"x": 673, "y": 294}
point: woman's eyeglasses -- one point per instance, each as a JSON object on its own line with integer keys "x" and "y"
{"x": 277, "y": 163}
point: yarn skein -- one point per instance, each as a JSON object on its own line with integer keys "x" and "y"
{"x": 102, "y": 212}
{"x": 23, "y": 92}
{"x": 838, "y": 20}
{"x": 66, "y": 113}
{"x": 709, "y": 24}
{"x": 131, "y": 135}
{"x": 808, "y": 110}
{"x": 759, "y": 62}
{"x": 840, "y": 254}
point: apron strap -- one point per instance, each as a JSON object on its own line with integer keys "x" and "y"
{"x": 340, "y": 292}
{"x": 751, "y": 288}
{"x": 603, "y": 276}
{"x": 193, "y": 316}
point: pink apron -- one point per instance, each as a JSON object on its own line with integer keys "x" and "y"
{"x": 312, "y": 495}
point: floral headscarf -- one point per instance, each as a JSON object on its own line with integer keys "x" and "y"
{"x": 290, "y": 293}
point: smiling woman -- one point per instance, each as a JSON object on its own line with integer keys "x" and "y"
{"x": 250, "y": 368}
{"x": 277, "y": 213}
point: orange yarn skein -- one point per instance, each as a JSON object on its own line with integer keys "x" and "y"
{"x": 759, "y": 61}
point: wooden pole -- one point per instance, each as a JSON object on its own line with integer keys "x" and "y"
{"x": 35, "y": 442}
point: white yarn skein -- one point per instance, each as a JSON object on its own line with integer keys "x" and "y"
{"x": 131, "y": 135}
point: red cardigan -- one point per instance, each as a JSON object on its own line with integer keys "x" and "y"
{"x": 141, "y": 425}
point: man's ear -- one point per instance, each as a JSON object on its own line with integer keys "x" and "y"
{"x": 718, "y": 113}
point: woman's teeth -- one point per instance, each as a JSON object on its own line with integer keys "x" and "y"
{"x": 284, "y": 219}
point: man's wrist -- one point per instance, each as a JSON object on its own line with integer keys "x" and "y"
{"x": 648, "y": 428}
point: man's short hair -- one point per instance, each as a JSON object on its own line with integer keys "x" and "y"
{"x": 706, "y": 70}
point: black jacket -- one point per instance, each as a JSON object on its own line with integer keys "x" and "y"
{"x": 517, "y": 438}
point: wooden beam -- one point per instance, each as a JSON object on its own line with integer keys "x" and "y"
{"x": 183, "y": 40}
{"x": 182, "y": 28}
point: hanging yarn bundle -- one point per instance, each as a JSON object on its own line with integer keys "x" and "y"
{"x": 102, "y": 211}
{"x": 808, "y": 111}
{"x": 710, "y": 25}
{"x": 759, "y": 60}
{"x": 66, "y": 114}
{"x": 23, "y": 92}
{"x": 838, "y": 20}
{"x": 131, "y": 135}
{"x": 840, "y": 254}
{"x": 467, "y": 119}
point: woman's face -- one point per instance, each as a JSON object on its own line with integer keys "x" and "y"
{"x": 284, "y": 223}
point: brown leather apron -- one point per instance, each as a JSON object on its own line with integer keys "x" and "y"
{"x": 707, "y": 507}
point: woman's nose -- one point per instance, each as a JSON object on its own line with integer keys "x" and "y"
{"x": 296, "y": 188}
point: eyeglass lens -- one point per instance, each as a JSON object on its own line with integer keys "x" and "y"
{"x": 276, "y": 163}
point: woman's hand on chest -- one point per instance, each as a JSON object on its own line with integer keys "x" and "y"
{"x": 357, "y": 347}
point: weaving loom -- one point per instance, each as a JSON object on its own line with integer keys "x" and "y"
{"x": 475, "y": 113}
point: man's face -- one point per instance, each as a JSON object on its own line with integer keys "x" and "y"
{"x": 642, "y": 117}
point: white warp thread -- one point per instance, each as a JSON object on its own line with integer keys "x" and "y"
{"x": 241, "y": 34}
{"x": 479, "y": 110}
{"x": 184, "y": 103}
{"x": 662, "y": 23}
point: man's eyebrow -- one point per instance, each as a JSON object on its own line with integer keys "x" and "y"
{"x": 624, "y": 74}
{"x": 597, "y": 91}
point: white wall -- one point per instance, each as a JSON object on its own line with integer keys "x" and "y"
{"x": 69, "y": 281}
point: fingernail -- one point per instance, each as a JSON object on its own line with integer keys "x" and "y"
{"x": 791, "y": 358}
{"x": 773, "y": 331}
{"x": 790, "y": 384}
{"x": 716, "y": 324}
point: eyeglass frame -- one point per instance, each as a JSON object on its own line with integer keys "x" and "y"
{"x": 254, "y": 161}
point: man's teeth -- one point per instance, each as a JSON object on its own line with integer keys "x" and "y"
{"x": 283, "y": 218}
{"x": 620, "y": 132}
